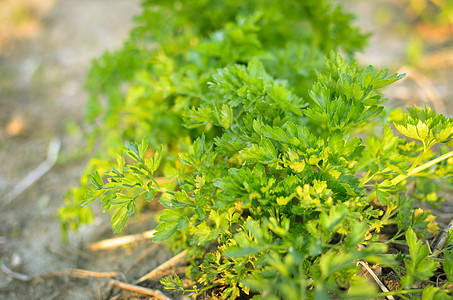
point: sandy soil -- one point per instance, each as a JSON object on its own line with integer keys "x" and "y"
{"x": 42, "y": 98}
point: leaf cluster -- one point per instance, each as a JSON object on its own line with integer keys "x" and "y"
{"x": 163, "y": 69}
{"x": 275, "y": 163}
{"x": 279, "y": 201}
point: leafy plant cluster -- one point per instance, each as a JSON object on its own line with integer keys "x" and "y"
{"x": 272, "y": 155}
{"x": 163, "y": 70}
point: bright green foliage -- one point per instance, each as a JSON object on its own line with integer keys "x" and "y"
{"x": 418, "y": 266}
{"x": 126, "y": 183}
{"x": 435, "y": 293}
{"x": 345, "y": 96}
{"x": 448, "y": 261}
{"x": 270, "y": 183}
{"x": 164, "y": 68}
{"x": 280, "y": 202}
{"x": 427, "y": 126}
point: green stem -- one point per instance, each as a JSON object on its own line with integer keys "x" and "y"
{"x": 366, "y": 178}
{"x": 157, "y": 184}
{"x": 162, "y": 190}
{"x": 417, "y": 160}
{"x": 418, "y": 169}
{"x": 389, "y": 222}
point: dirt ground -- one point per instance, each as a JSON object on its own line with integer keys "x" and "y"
{"x": 42, "y": 99}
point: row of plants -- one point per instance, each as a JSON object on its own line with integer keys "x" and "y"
{"x": 276, "y": 163}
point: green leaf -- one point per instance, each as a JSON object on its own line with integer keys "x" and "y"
{"x": 121, "y": 199}
{"x": 119, "y": 219}
{"x": 133, "y": 151}
{"x": 448, "y": 265}
{"x": 130, "y": 208}
{"x": 234, "y": 252}
{"x": 361, "y": 289}
{"x": 283, "y": 200}
{"x": 419, "y": 265}
{"x": 164, "y": 231}
{"x": 357, "y": 234}
{"x": 201, "y": 233}
{"x": 265, "y": 152}
{"x": 200, "y": 116}
{"x": 226, "y": 116}
{"x": 96, "y": 179}
{"x": 332, "y": 262}
{"x": 149, "y": 163}
{"x": 168, "y": 283}
{"x": 149, "y": 195}
{"x": 435, "y": 293}
{"x": 157, "y": 159}
{"x": 120, "y": 163}
{"x": 143, "y": 147}
{"x": 334, "y": 218}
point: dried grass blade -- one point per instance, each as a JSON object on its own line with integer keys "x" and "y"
{"x": 441, "y": 238}
{"x": 378, "y": 281}
{"x": 166, "y": 265}
{"x": 139, "y": 289}
{"x": 121, "y": 241}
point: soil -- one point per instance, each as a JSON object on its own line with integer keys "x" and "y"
{"x": 42, "y": 98}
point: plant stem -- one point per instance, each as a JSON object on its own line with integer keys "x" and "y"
{"x": 157, "y": 184}
{"x": 418, "y": 169}
{"x": 366, "y": 178}
{"x": 162, "y": 190}
{"x": 417, "y": 160}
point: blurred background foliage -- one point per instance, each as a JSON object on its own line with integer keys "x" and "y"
{"x": 426, "y": 24}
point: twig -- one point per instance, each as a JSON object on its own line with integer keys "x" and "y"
{"x": 139, "y": 289}
{"x": 52, "y": 155}
{"x": 15, "y": 275}
{"x": 378, "y": 281}
{"x": 55, "y": 294}
{"x": 120, "y": 241}
{"x": 441, "y": 238}
{"x": 77, "y": 273}
{"x": 168, "y": 264}
{"x": 142, "y": 256}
